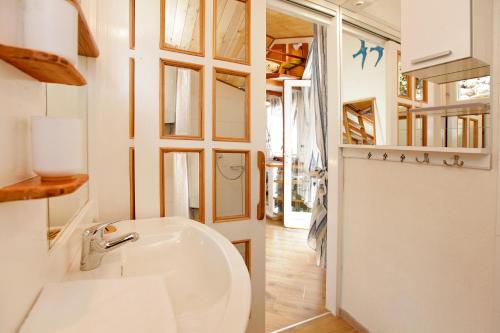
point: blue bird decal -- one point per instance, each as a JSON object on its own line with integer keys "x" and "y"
{"x": 362, "y": 52}
{"x": 380, "y": 51}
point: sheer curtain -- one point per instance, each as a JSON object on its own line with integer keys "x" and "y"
{"x": 274, "y": 142}
{"x": 316, "y": 72}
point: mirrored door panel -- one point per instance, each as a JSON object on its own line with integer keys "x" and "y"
{"x": 232, "y": 30}
{"x": 181, "y": 100}
{"x": 182, "y": 183}
{"x": 182, "y": 26}
{"x": 231, "y": 185}
{"x": 231, "y": 105}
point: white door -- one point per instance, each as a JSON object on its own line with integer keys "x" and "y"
{"x": 296, "y": 184}
{"x": 222, "y": 133}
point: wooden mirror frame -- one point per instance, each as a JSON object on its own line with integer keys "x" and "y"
{"x": 200, "y": 70}
{"x": 201, "y": 154}
{"x": 215, "y": 137}
{"x": 166, "y": 47}
{"x": 246, "y": 213}
{"x": 246, "y": 61}
{"x": 248, "y": 252}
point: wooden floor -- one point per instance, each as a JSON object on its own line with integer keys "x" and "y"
{"x": 325, "y": 324}
{"x": 295, "y": 286}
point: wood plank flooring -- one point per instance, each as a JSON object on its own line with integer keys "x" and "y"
{"x": 325, "y": 324}
{"x": 295, "y": 286}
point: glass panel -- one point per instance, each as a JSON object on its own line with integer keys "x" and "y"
{"x": 474, "y": 88}
{"x": 68, "y": 101}
{"x": 182, "y": 185}
{"x": 182, "y": 24}
{"x": 181, "y": 104}
{"x": 231, "y": 106}
{"x": 465, "y": 131}
{"x": 231, "y": 31}
{"x": 231, "y": 191}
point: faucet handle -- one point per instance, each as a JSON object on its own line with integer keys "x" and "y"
{"x": 98, "y": 229}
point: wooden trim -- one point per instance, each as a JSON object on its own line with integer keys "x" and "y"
{"x": 409, "y": 79}
{"x": 166, "y": 47}
{"x": 131, "y": 162}
{"x": 248, "y": 252}
{"x": 246, "y": 214}
{"x": 352, "y": 321}
{"x": 215, "y": 137}
{"x": 200, "y": 70}
{"x": 261, "y": 206}
{"x": 87, "y": 45}
{"x": 201, "y": 154}
{"x": 131, "y": 33}
{"x": 247, "y": 60}
{"x": 131, "y": 97}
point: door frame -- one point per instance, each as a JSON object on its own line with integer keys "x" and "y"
{"x": 335, "y": 172}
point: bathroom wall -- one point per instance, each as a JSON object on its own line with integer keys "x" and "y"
{"x": 418, "y": 244}
{"x": 27, "y": 263}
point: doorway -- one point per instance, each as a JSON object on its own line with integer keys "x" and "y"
{"x": 295, "y": 280}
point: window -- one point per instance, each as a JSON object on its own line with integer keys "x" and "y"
{"x": 474, "y": 88}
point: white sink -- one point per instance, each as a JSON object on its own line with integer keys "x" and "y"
{"x": 205, "y": 276}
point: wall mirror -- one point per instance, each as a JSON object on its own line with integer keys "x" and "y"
{"x": 182, "y": 183}
{"x": 231, "y": 105}
{"x": 182, "y": 26}
{"x": 68, "y": 101}
{"x": 408, "y": 111}
{"x": 232, "y": 30}
{"x": 231, "y": 185}
{"x": 244, "y": 248}
{"x": 181, "y": 100}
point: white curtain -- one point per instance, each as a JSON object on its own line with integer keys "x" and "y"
{"x": 316, "y": 72}
{"x": 176, "y": 185}
{"x": 274, "y": 142}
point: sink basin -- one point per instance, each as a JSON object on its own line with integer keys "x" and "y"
{"x": 205, "y": 276}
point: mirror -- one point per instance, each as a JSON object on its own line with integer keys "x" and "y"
{"x": 181, "y": 100}
{"x": 244, "y": 248}
{"x": 231, "y": 29}
{"x": 231, "y": 185}
{"x": 406, "y": 110}
{"x": 182, "y": 183}
{"x": 231, "y": 105}
{"x": 182, "y": 26}
{"x": 68, "y": 101}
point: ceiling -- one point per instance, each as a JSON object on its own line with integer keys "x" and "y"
{"x": 284, "y": 26}
{"x": 386, "y": 12}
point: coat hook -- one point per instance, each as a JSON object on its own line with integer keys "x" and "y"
{"x": 385, "y": 156}
{"x": 456, "y": 162}
{"x": 426, "y": 159}
{"x": 370, "y": 155}
{"x": 403, "y": 157}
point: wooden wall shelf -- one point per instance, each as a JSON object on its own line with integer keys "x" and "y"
{"x": 44, "y": 67}
{"x": 35, "y": 188}
{"x": 87, "y": 45}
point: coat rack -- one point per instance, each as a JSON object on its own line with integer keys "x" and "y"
{"x": 456, "y": 158}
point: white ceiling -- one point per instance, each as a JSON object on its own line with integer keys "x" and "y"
{"x": 387, "y": 12}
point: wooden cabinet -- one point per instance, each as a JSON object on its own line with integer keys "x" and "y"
{"x": 446, "y": 40}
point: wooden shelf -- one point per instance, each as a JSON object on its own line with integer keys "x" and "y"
{"x": 44, "y": 67}
{"x": 35, "y": 188}
{"x": 87, "y": 45}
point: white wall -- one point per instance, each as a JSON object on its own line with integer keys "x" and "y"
{"x": 368, "y": 82}
{"x": 27, "y": 263}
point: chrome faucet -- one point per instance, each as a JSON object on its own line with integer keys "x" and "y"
{"x": 94, "y": 246}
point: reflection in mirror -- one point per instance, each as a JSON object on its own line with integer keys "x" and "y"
{"x": 232, "y": 33}
{"x": 68, "y": 101}
{"x": 408, "y": 111}
{"x": 231, "y": 185}
{"x": 359, "y": 122}
{"x": 182, "y": 23}
{"x": 244, "y": 248}
{"x": 231, "y": 105}
{"x": 182, "y": 183}
{"x": 181, "y": 100}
